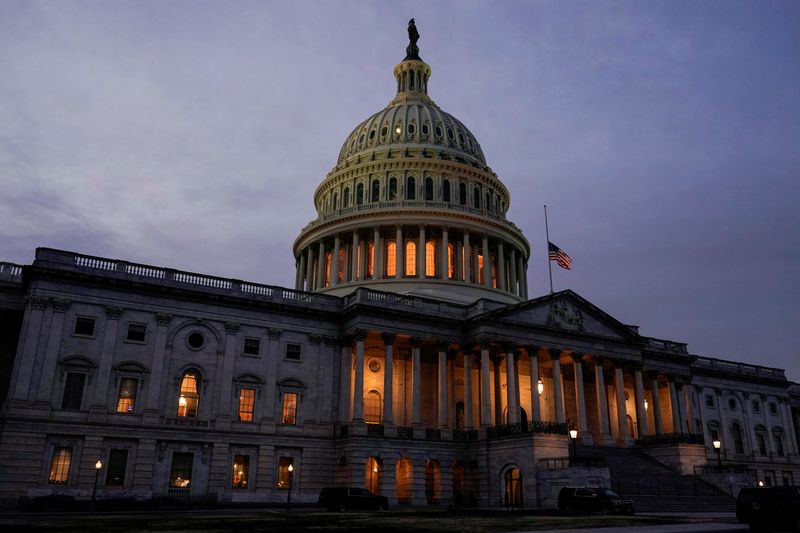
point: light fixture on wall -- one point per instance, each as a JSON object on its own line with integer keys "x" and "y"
{"x": 760, "y": 482}
{"x": 540, "y": 387}
{"x": 645, "y": 404}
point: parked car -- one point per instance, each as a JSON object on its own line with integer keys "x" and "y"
{"x": 346, "y": 498}
{"x": 593, "y": 500}
{"x": 769, "y": 507}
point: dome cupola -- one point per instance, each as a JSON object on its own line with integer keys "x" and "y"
{"x": 411, "y": 207}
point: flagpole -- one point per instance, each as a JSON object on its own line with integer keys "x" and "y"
{"x": 549, "y": 263}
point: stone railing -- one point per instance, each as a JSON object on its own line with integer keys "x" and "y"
{"x": 553, "y": 428}
{"x": 671, "y": 438}
{"x": 741, "y": 369}
{"x": 391, "y": 300}
{"x": 665, "y": 345}
{"x": 554, "y": 463}
{"x": 181, "y": 279}
{"x": 10, "y": 270}
{"x": 702, "y": 470}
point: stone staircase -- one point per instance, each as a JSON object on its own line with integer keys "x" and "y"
{"x": 654, "y": 487}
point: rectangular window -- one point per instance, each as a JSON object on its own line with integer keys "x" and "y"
{"x": 756, "y": 406}
{"x": 247, "y": 401}
{"x": 136, "y": 332}
{"x": 252, "y": 346}
{"x": 289, "y": 408}
{"x": 117, "y": 463}
{"x": 778, "y": 439}
{"x": 293, "y": 352}
{"x": 126, "y": 399}
{"x": 241, "y": 471}
{"x": 411, "y": 258}
{"x": 180, "y": 477}
{"x": 59, "y": 466}
{"x": 84, "y": 326}
{"x": 285, "y": 471}
{"x": 73, "y": 391}
{"x": 773, "y": 408}
{"x": 391, "y": 259}
{"x": 709, "y": 400}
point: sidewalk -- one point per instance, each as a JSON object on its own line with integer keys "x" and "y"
{"x": 699, "y": 527}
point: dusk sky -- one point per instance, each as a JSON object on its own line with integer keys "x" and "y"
{"x": 664, "y": 138}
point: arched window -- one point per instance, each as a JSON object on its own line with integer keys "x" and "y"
{"x": 430, "y": 259}
{"x": 411, "y": 258}
{"x": 446, "y": 191}
{"x": 488, "y": 203}
{"x": 512, "y": 498}
{"x": 328, "y": 256}
{"x": 360, "y": 194}
{"x": 391, "y": 259}
{"x": 404, "y": 477}
{"x": 479, "y": 278}
{"x": 370, "y": 258}
{"x": 460, "y": 421}
{"x": 462, "y": 194}
{"x": 335, "y": 201}
{"x": 411, "y": 191}
{"x": 189, "y": 396}
{"x": 346, "y": 197}
{"x": 341, "y": 264}
{"x": 432, "y": 481}
{"x": 392, "y": 189}
{"x": 376, "y": 191}
{"x": 374, "y": 469}
{"x": 429, "y": 189}
{"x": 738, "y": 442}
{"x": 451, "y": 261}
{"x": 373, "y": 407}
{"x": 476, "y": 198}
{"x": 761, "y": 439}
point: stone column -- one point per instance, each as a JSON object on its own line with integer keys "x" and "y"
{"x": 602, "y": 401}
{"x": 445, "y": 263}
{"x": 301, "y": 270}
{"x": 469, "y": 423}
{"x": 686, "y": 403}
{"x": 345, "y": 385}
{"x": 536, "y": 410}
{"x": 421, "y": 263}
{"x": 354, "y": 257}
{"x": 54, "y": 336}
{"x": 442, "y": 386}
{"x": 416, "y": 418}
{"x": 677, "y": 426}
{"x": 512, "y": 264}
{"x": 622, "y": 413}
{"x": 487, "y": 263}
{"x": 31, "y": 336}
{"x": 226, "y": 379}
{"x": 558, "y": 392}
{"x": 337, "y": 244}
{"x": 155, "y": 387}
{"x": 377, "y": 255}
{"x": 501, "y": 267}
{"x": 641, "y": 414}
{"x": 388, "y": 377}
{"x": 486, "y": 400}
{"x": 309, "y": 269}
{"x": 577, "y": 361}
{"x": 104, "y": 370}
{"x": 358, "y": 392}
{"x": 791, "y": 436}
{"x": 321, "y": 271}
{"x": 362, "y": 262}
{"x": 400, "y": 266}
{"x": 511, "y": 385}
{"x": 524, "y": 270}
{"x": 467, "y": 258}
{"x": 656, "y": 404}
{"x": 498, "y": 399}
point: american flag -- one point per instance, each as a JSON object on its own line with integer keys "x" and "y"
{"x": 558, "y": 255}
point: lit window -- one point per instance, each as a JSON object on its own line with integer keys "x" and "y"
{"x": 252, "y": 346}
{"x": 451, "y": 261}
{"x": 391, "y": 259}
{"x": 126, "y": 399}
{"x": 372, "y": 407}
{"x": 411, "y": 258}
{"x": 328, "y": 269}
{"x": 59, "y": 466}
{"x": 136, "y": 332}
{"x": 289, "y": 415}
{"x": 370, "y": 259}
{"x": 285, "y": 471}
{"x": 358, "y": 261}
{"x": 341, "y": 264}
{"x": 84, "y": 326}
{"x": 247, "y": 401}
{"x": 494, "y": 271}
{"x": 189, "y": 399}
{"x": 480, "y": 267}
{"x": 241, "y": 471}
{"x": 293, "y": 352}
{"x": 180, "y": 476}
{"x": 430, "y": 259}
{"x": 115, "y": 472}
{"x": 73, "y": 391}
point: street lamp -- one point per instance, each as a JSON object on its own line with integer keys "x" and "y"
{"x": 540, "y": 387}
{"x": 289, "y": 496}
{"x": 717, "y": 445}
{"x": 97, "y": 466}
{"x": 573, "y": 435}
{"x": 760, "y": 482}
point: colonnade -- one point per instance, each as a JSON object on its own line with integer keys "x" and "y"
{"x": 413, "y": 252}
{"x": 634, "y": 403}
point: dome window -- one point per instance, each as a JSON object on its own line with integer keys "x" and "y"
{"x": 462, "y": 194}
{"x": 371, "y": 135}
{"x": 425, "y": 129}
{"x": 428, "y": 189}
{"x": 450, "y": 134}
{"x": 376, "y": 191}
{"x": 384, "y": 131}
{"x": 460, "y": 137}
{"x": 411, "y": 185}
{"x": 360, "y": 194}
{"x": 361, "y": 138}
{"x": 411, "y": 129}
{"x": 346, "y": 197}
{"x": 476, "y": 197}
{"x": 445, "y": 191}
{"x": 438, "y": 131}
{"x": 392, "y": 189}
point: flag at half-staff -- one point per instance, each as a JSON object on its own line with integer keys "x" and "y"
{"x": 558, "y": 255}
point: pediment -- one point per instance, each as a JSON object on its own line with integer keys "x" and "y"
{"x": 565, "y": 311}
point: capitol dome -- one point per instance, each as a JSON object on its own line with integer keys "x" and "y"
{"x": 411, "y": 181}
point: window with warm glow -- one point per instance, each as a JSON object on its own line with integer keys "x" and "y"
{"x": 430, "y": 259}
{"x": 451, "y": 261}
{"x": 358, "y": 261}
{"x": 180, "y": 476}
{"x": 189, "y": 399}
{"x": 494, "y": 272}
{"x": 328, "y": 269}
{"x": 411, "y": 258}
{"x": 372, "y": 407}
{"x": 370, "y": 259}
{"x": 391, "y": 259}
{"x": 463, "y": 263}
{"x": 341, "y": 264}
{"x": 59, "y": 466}
{"x": 247, "y": 402}
{"x": 284, "y": 473}
{"x": 126, "y": 399}
{"x": 241, "y": 471}
{"x": 480, "y": 268}
{"x": 289, "y": 415}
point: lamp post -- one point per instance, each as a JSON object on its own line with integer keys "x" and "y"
{"x": 717, "y": 445}
{"x": 573, "y": 435}
{"x": 97, "y": 466}
{"x": 289, "y": 496}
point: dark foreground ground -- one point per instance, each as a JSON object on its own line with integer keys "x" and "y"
{"x": 298, "y": 521}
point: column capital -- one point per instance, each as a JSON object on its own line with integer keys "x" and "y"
{"x": 37, "y": 302}
{"x": 576, "y": 357}
{"x": 231, "y": 328}
{"x": 388, "y": 338}
{"x": 360, "y": 334}
{"x": 330, "y": 340}
{"x": 163, "y": 319}
{"x": 315, "y": 339}
{"x": 416, "y": 342}
{"x": 274, "y": 333}
{"x": 441, "y": 346}
{"x": 60, "y": 305}
{"x": 484, "y": 343}
{"x": 113, "y": 313}
{"x": 555, "y": 353}
{"x": 509, "y": 347}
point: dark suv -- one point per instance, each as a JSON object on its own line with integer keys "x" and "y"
{"x": 593, "y": 500}
{"x": 344, "y": 498}
{"x": 769, "y": 507}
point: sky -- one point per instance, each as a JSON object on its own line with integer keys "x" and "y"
{"x": 664, "y": 137}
